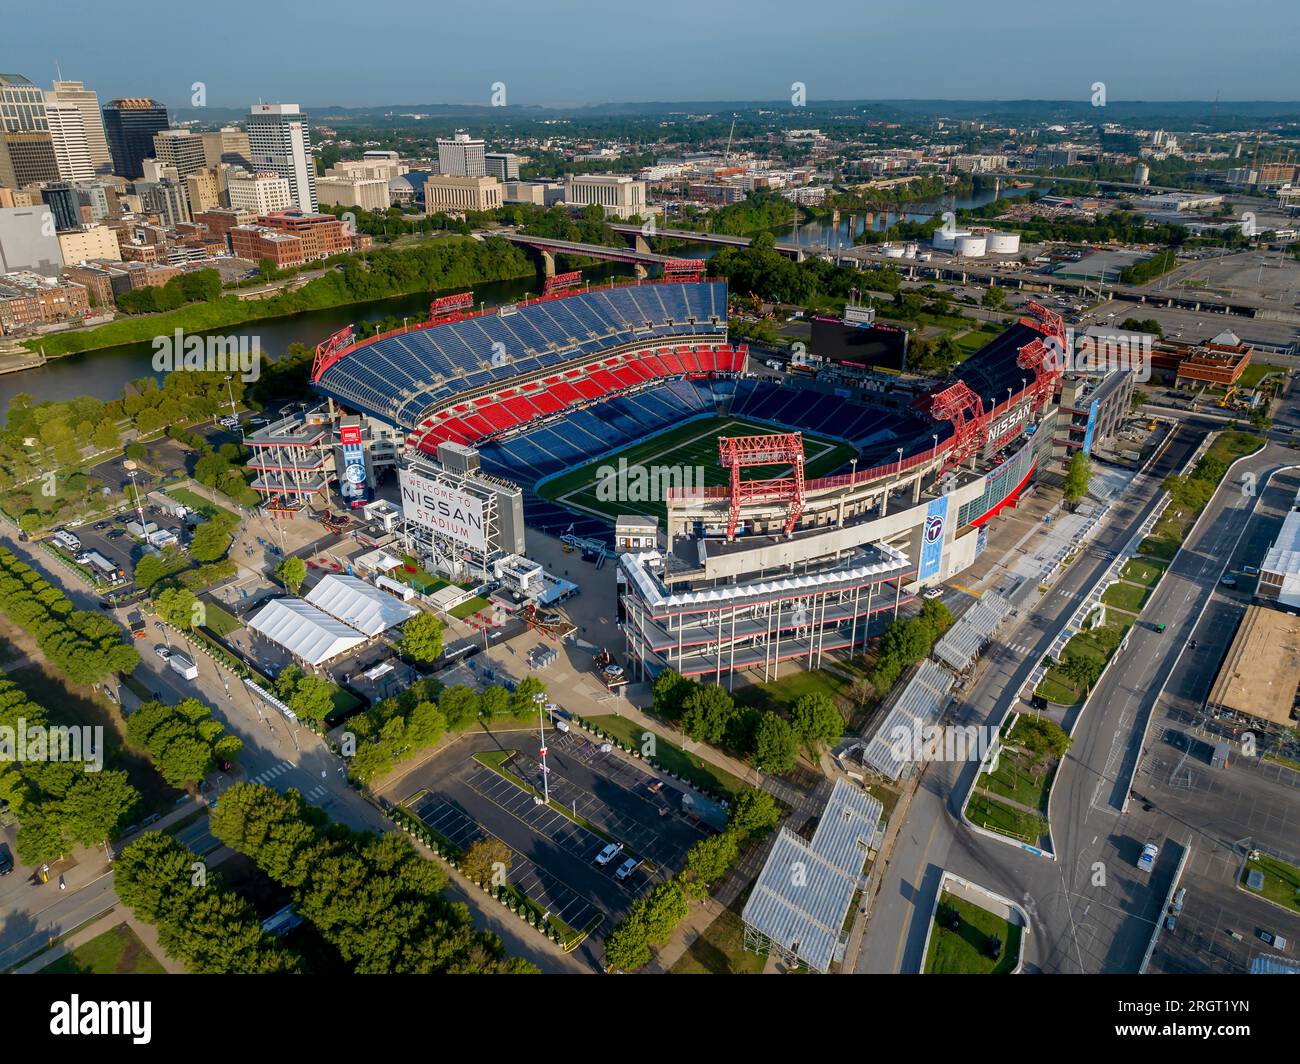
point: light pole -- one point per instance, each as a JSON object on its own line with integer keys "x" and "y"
{"x": 540, "y": 699}
{"x": 900, "y": 461}
{"x": 230, "y": 391}
{"x": 934, "y": 451}
{"x": 132, "y": 472}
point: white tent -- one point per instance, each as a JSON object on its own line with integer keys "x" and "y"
{"x": 356, "y": 603}
{"x": 304, "y": 631}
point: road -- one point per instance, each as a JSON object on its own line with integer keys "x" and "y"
{"x": 275, "y": 753}
{"x": 1073, "y": 931}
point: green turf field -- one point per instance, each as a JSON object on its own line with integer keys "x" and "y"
{"x": 686, "y": 457}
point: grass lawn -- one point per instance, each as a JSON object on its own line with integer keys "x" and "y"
{"x": 1161, "y": 547}
{"x": 720, "y": 950}
{"x": 1015, "y": 823}
{"x": 1127, "y": 597}
{"x": 1231, "y": 445}
{"x": 961, "y": 952}
{"x": 1281, "y": 881}
{"x": 115, "y": 952}
{"x": 673, "y": 758}
{"x": 1253, "y": 374}
{"x": 1141, "y": 571}
{"x": 219, "y": 620}
{"x": 681, "y": 457}
{"x": 1059, "y": 688}
{"x": 472, "y": 606}
{"x": 1013, "y": 780}
{"x": 194, "y": 501}
{"x": 781, "y": 695}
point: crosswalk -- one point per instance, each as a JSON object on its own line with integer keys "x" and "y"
{"x": 276, "y": 771}
{"x": 1018, "y": 648}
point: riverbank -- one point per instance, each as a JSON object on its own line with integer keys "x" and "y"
{"x": 449, "y": 263}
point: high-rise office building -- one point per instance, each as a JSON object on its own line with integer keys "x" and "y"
{"x": 462, "y": 156}
{"x": 130, "y": 125}
{"x": 259, "y": 193}
{"x": 167, "y": 199}
{"x": 227, "y": 145}
{"x": 182, "y": 149}
{"x": 62, "y": 200}
{"x": 26, "y": 149}
{"x": 503, "y": 165}
{"x": 87, "y": 102}
{"x": 68, "y": 135}
{"x": 279, "y": 140}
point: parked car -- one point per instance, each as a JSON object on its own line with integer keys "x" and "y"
{"x": 626, "y": 868}
{"x": 1148, "y": 859}
{"x": 932, "y": 592}
{"x": 608, "y": 853}
{"x": 163, "y": 652}
{"x": 6, "y": 860}
{"x": 1178, "y": 899}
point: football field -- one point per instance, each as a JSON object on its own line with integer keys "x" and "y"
{"x": 636, "y": 480}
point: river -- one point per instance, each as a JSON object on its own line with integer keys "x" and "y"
{"x": 103, "y": 373}
{"x": 820, "y": 232}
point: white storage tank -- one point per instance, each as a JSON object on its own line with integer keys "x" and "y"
{"x": 893, "y": 251}
{"x": 947, "y": 241}
{"x": 909, "y": 250}
{"x": 1003, "y": 243}
{"x": 971, "y": 246}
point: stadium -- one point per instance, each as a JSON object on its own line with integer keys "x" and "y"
{"x": 795, "y": 510}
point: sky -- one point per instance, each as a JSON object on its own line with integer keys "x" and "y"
{"x": 577, "y": 52}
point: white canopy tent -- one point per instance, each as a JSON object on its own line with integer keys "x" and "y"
{"x": 307, "y": 633}
{"x": 360, "y": 605}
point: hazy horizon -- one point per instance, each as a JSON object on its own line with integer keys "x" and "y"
{"x": 675, "y": 52}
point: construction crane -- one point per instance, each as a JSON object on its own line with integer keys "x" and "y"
{"x": 726, "y": 158}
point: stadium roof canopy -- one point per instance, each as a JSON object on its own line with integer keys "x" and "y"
{"x": 360, "y": 605}
{"x": 307, "y": 633}
{"x": 965, "y": 639}
{"x": 805, "y": 889}
{"x": 918, "y": 706}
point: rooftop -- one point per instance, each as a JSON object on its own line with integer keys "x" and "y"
{"x": 1261, "y": 673}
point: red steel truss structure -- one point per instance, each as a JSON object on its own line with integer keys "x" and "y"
{"x": 784, "y": 448}
{"x": 561, "y": 282}
{"x": 959, "y": 404}
{"x": 683, "y": 269}
{"x": 450, "y": 308}
{"x": 1044, "y": 356}
{"x": 330, "y": 351}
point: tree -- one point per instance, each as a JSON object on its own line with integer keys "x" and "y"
{"x": 486, "y": 861}
{"x": 313, "y": 698}
{"x": 459, "y": 706}
{"x": 1077, "y": 475}
{"x": 523, "y": 699}
{"x": 668, "y": 692}
{"x": 707, "y": 711}
{"x": 754, "y": 812}
{"x": 179, "y": 607}
{"x": 210, "y": 541}
{"x": 816, "y": 720}
{"x": 708, "y": 861}
{"x": 422, "y": 637}
{"x": 292, "y": 571}
{"x": 775, "y": 745}
{"x": 994, "y": 298}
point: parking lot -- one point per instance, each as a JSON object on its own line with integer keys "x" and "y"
{"x": 607, "y": 797}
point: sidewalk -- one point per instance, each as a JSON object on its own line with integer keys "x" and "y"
{"x": 147, "y": 934}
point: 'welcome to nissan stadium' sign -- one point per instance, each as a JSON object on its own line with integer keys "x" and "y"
{"x": 443, "y": 508}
